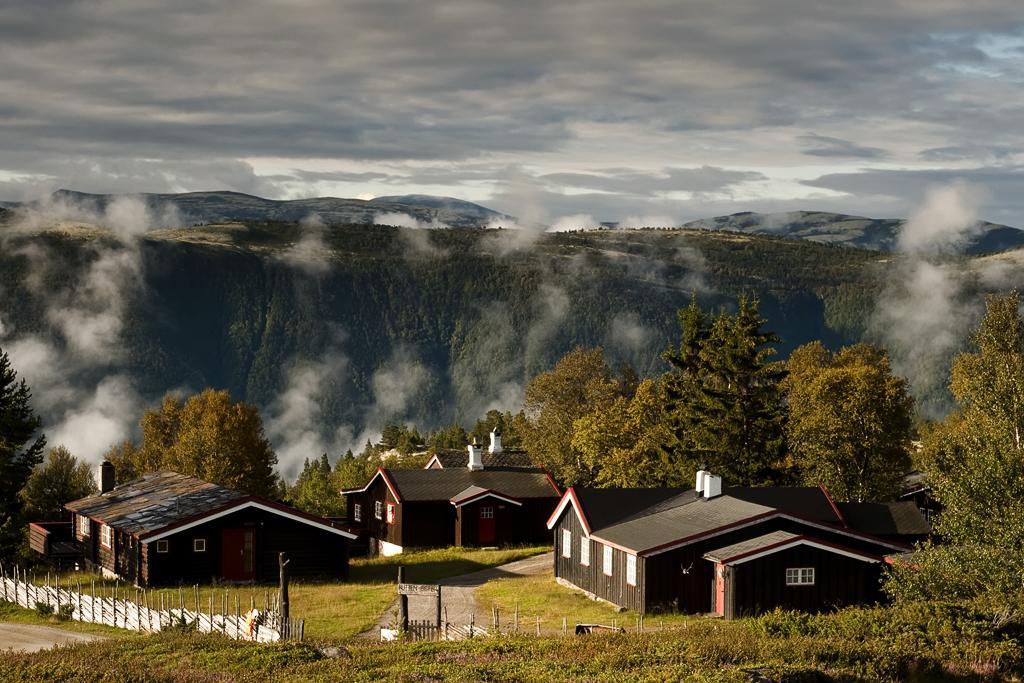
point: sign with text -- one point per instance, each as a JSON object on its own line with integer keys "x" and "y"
{"x": 419, "y": 589}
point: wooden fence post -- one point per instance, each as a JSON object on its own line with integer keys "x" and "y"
{"x": 282, "y": 561}
{"x": 403, "y": 602}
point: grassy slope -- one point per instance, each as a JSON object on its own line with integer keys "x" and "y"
{"x": 920, "y": 642}
{"x": 337, "y": 610}
{"x": 539, "y": 597}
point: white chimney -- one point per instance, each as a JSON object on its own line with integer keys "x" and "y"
{"x": 495, "y": 442}
{"x": 700, "y": 480}
{"x": 712, "y": 486}
{"x": 476, "y": 457}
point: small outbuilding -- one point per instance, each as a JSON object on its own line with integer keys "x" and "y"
{"x": 167, "y": 528}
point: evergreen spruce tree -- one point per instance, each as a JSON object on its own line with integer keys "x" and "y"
{"x": 724, "y": 405}
{"x": 21, "y": 449}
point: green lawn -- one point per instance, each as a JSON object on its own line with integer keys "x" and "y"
{"x": 539, "y": 596}
{"x": 331, "y": 610}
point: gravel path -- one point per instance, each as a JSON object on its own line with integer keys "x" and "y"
{"x": 29, "y": 638}
{"x": 458, "y": 594}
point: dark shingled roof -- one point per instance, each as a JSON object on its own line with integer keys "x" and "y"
{"x": 808, "y": 502}
{"x": 605, "y": 507}
{"x": 446, "y": 484}
{"x": 154, "y": 501}
{"x": 749, "y": 545}
{"x": 886, "y": 519}
{"x": 453, "y": 458}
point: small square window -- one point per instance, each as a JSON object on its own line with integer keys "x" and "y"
{"x": 566, "y": 543}
{"x": 378, "y": 509}
{"x": 357, "y": 512}
{"x": 585, "y": 551}
{"x": 106, "y": 537}
{"x": 199, "y": 545}
{"x": 607, "y": 568}
{"x": 486, "y": 512}
{"x": 391, "y": 513}
{"x": 800, "y": 576}
{"x": 163, "y": 546}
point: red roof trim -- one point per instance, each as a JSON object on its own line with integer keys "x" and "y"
{"x": 832, "y": 502}
{"x": 382, "y": 473}
{"x": 551, "y": 481}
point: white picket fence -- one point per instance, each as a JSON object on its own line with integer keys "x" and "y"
{"x": 149, "y": 612}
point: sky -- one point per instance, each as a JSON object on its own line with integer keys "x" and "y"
{"x": 641, "y": 110}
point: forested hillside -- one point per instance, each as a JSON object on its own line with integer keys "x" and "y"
{"x": 392, "y": 323}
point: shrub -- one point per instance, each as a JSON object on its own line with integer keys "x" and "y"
{"x": 44, "y": 609}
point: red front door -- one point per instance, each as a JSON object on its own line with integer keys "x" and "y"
{"x": 236, "y": 554}
{"x": 720, "y": 589}
{"x": 485, "y": 530}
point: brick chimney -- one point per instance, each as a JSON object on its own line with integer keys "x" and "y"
{"x": 105, "y": 476}
{"x": 476, "y": 457}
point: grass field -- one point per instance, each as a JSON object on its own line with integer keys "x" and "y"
{"x": 920, "y": 642}
{"x": 333, "y": 610}
{"x": 18, "y": 615}
{"x": 540, "y": 597}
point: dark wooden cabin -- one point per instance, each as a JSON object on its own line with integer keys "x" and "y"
{"x": 166, "y": 528}
{"x": 474, "y": 505}
{"x": 740, "y": 551}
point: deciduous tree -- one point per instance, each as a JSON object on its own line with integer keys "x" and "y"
{"x": 850, "y": 421}
{"x": 59, "y": 480}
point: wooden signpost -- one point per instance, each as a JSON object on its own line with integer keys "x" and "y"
{"x": 407, "y": 589}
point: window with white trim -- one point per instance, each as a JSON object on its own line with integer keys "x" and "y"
{"x": 378, "y": 509}
{"x": 631, "y": 569}
{"x": 566, "y": 543}
{"x": 163, "y": 546}
{"x": 800, "y": 576}
{"x": 106, "y": 537}
{"x": 391, "y": 513}
{"x": 357, "y": 512}
{"x": 199, "y": 545}
{"x": 607, "y": 564}
{"x": 83, "y": 525}
{"x": 486, "y": 512}
{"x": 584, "y": 551}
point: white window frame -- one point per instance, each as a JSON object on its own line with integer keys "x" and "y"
{"x": 199, "y": 545}
{"x": 378, "y": 509}
{"x": 584, "y": 551}
{"x": 800, "y": 576}
{"x": 606, "y": 564}
{"x": 83, "y": 526}
{"x": 391, "y": 513}
{"x": 106, "y": 537}
{"x": 566, "y": 544}
{"x": 357, "y": 512}
{"x": 486, "y": 512}
{"x": 631, "y": 569}
{"x": 163, "y": 546}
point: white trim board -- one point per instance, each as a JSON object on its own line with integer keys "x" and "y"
{"x": 568, "y": 498}
{"x": 242, "y": 506}
{"x": 790, "y": 544}
{"x": 378, "y": 473}
{"x": 481, "y": 496}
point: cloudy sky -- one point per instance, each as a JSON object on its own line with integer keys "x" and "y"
{"x": 641, "y": 108}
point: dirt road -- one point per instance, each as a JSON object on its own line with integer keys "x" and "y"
{"x": 29, "y": 638}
